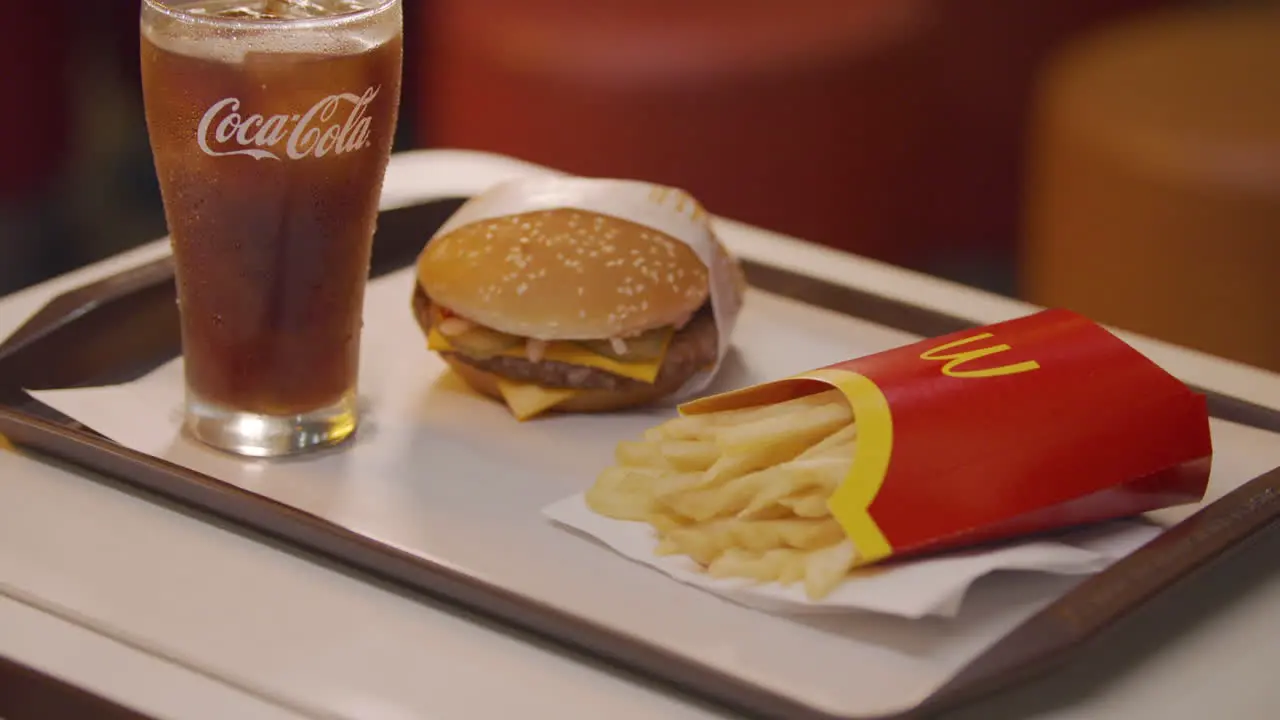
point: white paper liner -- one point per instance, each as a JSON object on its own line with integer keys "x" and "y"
{"x": 934, "y": 586}
{"x": 667, "y": 210}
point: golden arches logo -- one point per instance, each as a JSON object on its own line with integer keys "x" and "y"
{"x": 954, "y": 360}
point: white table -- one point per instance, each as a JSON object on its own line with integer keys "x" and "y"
{"x": 181, "y": 619}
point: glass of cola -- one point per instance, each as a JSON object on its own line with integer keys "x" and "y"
{"x": 271, "y": 124}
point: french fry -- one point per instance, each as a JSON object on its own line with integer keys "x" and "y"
{"x": 777, "y": 512}
{"x": 770, "y": 566}
{"x": 702, "y": 543}
{"x": 753, "y": 495}
{"x": 730, "y": 467}
{"x": 681, "y": 428}
{"x": 784, "y": 435}
{"x": 707, "y": 541}
{"x": 812, "y": 504}
{"x": 624, "y": 493}
{"x": 690, "y": 455}
{"x": 742, "y": 493}
{"x": 631, "y": 453}
{"x": 666, "y": 547}
{"x": 819, "y": 476}
{"x": 837, "y": 444}
{"x": 827, "y": 568}
{"x": 664, "y": 522}
{"x": 821, "y": 570}
{"x": 680, "y": 455}
{"x": 792, "y": 568}
{"x": 693, "y": 427}
{"x": 765, "y": 452}
{"x": 668, "y": 484}
{"x": 701, "y": 503}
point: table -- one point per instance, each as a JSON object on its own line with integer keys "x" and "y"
{"x": 182, "y": 619}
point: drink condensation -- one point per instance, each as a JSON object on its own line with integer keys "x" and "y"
{"x": 271, "y": 125}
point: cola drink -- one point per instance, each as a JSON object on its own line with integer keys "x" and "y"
{"x": 271, "y": 125}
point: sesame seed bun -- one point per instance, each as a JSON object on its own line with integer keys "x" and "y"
{"x": 564, "y": 275}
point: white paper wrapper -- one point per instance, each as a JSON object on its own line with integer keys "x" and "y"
{"x": 913, "y": 589}
{"x": 667, "y": 210}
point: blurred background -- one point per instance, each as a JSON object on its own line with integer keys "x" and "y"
{"x": 1119, "y": 157}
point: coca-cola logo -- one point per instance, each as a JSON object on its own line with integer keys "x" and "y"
{"x": 225, "y": 131}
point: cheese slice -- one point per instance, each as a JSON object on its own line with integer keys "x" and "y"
{"x": 574, "y": 354}
{"x": 527, "y": 400}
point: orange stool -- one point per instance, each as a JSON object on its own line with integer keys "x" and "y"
{"x": 985, "y": 57}
{"x": 1155, "y": 193}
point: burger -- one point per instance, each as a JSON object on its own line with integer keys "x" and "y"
{"x": 568, "y": 310}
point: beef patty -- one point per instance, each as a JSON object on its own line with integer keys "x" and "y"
{"x": 692, "y": 349}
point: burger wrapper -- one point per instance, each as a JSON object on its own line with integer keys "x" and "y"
{"x": 667, "y": 210}
{"x": 1018, "y": 428}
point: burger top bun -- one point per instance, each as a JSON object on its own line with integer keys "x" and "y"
{"x": 564, "y": 274}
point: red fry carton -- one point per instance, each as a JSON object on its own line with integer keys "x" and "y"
{"x": 1025, "y": 426}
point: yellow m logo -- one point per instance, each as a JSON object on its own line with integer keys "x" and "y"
{"x": 956, "y": 359}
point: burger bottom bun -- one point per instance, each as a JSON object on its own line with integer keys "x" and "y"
{"x": 586, "y": 401}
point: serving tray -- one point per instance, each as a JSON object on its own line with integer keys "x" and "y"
{"x": 125, "y": 326}
{"x": 29, "y": 694}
